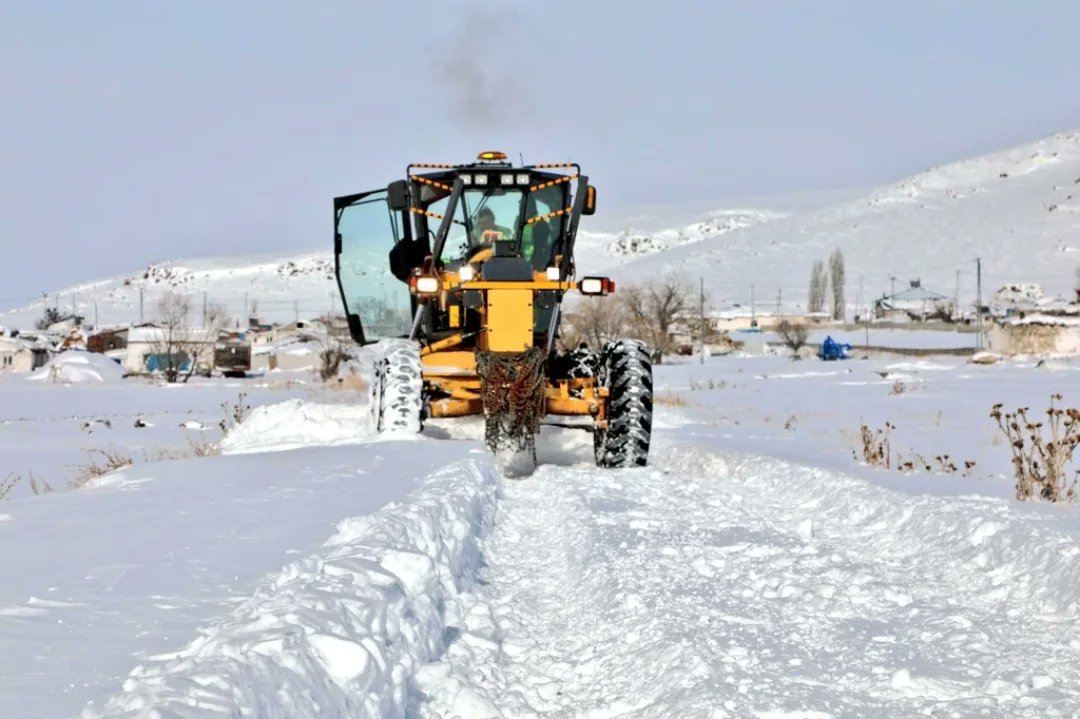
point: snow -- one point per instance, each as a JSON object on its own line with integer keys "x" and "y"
{"x": 337, "y": 632}
{"x": 75, "y": 367}
{"x": 297, "y": 423}
{"x": 752, "y": 570}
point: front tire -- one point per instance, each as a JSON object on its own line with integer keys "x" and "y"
{"x": 626, "y": 371}
{"x": 396, "y": 395}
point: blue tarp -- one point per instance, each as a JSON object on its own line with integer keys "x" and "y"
{"x": 833, "y": 350}
{"x": 158, "y": 362}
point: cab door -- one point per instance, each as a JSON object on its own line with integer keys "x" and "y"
{"x": 377, "y": 304}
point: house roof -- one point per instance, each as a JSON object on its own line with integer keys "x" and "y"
{"x": 150, "y": 335}
{"x": 916, "y": 294}
{"x": 14, "y": 344}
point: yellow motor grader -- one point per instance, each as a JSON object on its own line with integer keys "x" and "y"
{"x": 457, "y": 275}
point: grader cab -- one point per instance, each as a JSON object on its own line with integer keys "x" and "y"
{"x": 458, "y": 274}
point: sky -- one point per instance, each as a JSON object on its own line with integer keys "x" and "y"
{"x": 135, "y": 132}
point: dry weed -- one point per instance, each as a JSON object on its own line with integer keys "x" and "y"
{"x": 111, "y": 460}
{"x": 670, "y": 399}
{"x": 352, "y": 381}
{"x": 203, "y": 448}
{"x": 234, "y": 412}
{"x": 875, "y": 446}
{"x": 1041, "y": 463}
{"x": 9, "y": 483}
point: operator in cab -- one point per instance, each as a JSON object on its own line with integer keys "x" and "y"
{"x": 486, "y": 230}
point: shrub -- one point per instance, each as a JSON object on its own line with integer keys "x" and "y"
{"x": 875, "y": 446}
{"x": 1042, "y": 451}
{"x": 794, "y": 334}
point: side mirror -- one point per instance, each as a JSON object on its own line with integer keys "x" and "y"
{"x": 590, "y": 201}
{"x": 397, "y": 195}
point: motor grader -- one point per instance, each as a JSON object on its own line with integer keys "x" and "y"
{"x": 457, "y": 274}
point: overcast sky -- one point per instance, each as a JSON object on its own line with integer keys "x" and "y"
{"x": 135, "y": 131}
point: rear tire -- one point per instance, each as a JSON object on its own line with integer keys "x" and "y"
{"x": 626, "y": 371}
{"x": 396, "y": 396}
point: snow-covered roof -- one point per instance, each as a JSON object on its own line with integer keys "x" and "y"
{"x": 915, "y": 293}
{"x": 1039, "y": 318}
{"x": 152, "y": 335}
{"x": 15, "y": 344}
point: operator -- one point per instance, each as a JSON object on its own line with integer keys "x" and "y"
{"x": 485, "y": 224}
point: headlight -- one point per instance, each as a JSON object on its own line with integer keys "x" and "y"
{"x": 466, "y": 179}
{"x": 506, "y": 179}
{"x": 596, "y": 286}
{"x": 427, "y": 285}
{"x": 591, "y": 286}
{"x": 480, "y": 179}
{"x": 467, "y": 273}
{"x": 523, "y": 179}
{"x": 553, "y": 274}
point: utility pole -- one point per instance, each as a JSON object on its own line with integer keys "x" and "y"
{"x": 956, "y": 295}
{"x": 864, "y": 311}
{"x": 779, "y": 299}
{"x": 978, "y": 303}
{"x": 141, "y": 306}
{"x": 204, "y": 309}
{"x": 892, "y": 286}
{"x": 753, "y": 312}
{"x": 701, "y": 313}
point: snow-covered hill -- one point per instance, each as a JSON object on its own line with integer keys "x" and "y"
{"x": 1019, "y": 210}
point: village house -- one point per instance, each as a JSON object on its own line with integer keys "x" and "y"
{"x": 1050, "y": 331}
{"x": 916, "y": 303}
{"x": 138, "y": 348}
{"x": 22, "y": 355}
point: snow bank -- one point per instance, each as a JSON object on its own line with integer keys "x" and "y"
{"x": 296, "y": 423}
{"x": 79, "y": 367}
{"x": 339, "y": 633}
{"x": 994, "y": 549}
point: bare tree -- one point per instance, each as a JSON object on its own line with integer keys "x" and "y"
{"x": 652, "y": 310}
{"x": 332, "y": 354}
{"x": 180, "y": 348}
{"x": 816, "y": 299}
{"x": 173, "y": 312}
{"x": 836, "y": 272}
{"x": 794, "y": 334}
{"x": 593, "y": 321}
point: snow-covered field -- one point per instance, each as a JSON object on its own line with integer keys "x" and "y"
{"x": 755, "y": 569}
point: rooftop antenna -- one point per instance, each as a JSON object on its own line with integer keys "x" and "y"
{"x": 521, "y": 156}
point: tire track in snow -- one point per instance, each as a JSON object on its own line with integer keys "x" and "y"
{"x": 752, "y": 587}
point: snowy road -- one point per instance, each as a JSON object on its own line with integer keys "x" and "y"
{"x": 755, "y": 588}
{"x": 711, "y": 584}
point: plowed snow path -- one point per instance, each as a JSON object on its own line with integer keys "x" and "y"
{"x": 751, "y": 587}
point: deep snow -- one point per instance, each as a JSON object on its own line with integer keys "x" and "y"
{"x": 319, "y": 571}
